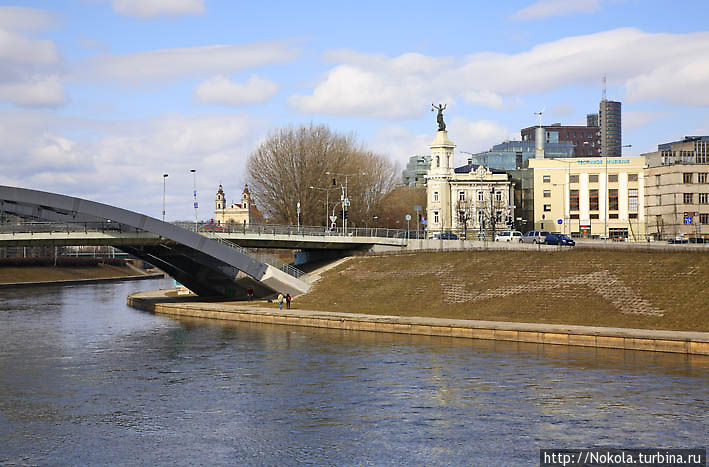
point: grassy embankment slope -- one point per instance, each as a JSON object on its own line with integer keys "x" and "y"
{"x": 629, "y": 289}
{"x": 12, "y": 274}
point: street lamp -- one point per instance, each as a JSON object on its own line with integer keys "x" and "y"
{"x": 345, "y": 200}
{"x": 164, "y": 178}
{"x": 327, "y": 200}
{"x": 194, "y": 193}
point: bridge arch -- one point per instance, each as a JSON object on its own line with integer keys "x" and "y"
{"x": 205, "y": 266}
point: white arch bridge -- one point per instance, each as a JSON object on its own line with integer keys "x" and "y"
{"x": 206, "y": 260}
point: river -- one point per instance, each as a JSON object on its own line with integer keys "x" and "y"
{"x": 86, "y": 380}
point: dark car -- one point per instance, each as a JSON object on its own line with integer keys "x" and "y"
{"x": 559, "y": 239}
{"x": 446, "y": 236}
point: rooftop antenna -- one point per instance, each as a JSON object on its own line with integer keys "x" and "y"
{"x": 603, "y": 80}
{"x": 540, "y": 115}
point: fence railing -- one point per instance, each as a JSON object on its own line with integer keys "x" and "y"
{"x": 262, "y": 257}
{"x": 291, "y": 230}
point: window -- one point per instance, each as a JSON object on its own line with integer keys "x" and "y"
{"x": 686, "y": 178}
{"x": 704, "y": 218}
{"x": 593, "y": 178}
{"x": 546, "y": 179}
{"x": 574, "y": 178}
{"x": 435, "y": 196}
{"x": 632, "y": 177}
{"x": 498, "y": 196}
{"x": 613, "y": 199}
{"x": 436, "y": 219}
{"x": 633, "y": 200}
{"x": 613, "y": 178}
{"x": 438, "y": 161}
{"x": 633, "y": 215}
{"x": 594, "y": 216}
{"x": 657, "y": 179}
{"x": 658, "y": 200}
{"x": 547, "y": 207}
{"x": 703, "y": 177}
{"x": 481, "y": 196}
{"x": 703, "y": 198}
{"x": 613, "y": 215}
{"x": 574, "y": 216}
{"x": 573, "y": 200}
{"x": 547, "y": 193}
{"x": 461, "y": 196}
{"x": 688, "y": 198}
{"x": 481, "y": 216}
{"x": 593, "y": 200}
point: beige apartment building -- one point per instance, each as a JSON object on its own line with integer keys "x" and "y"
{"x": 599, "y": 197}
{"x": 677, "y": 182}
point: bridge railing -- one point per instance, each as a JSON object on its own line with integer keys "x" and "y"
{"x": 66, "y": 227}
{"x": 262, "y": 257}
{"x": 291, "y": 230}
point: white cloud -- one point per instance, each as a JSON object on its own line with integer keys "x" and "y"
{"x": 123, "y": 162}
{"x": 39, "y": 92}
{"x": 15, "y": 48}
{"x": 164, "y": 64}
{"x": 480, "y": 135}
{"x": 546, "y": 8}
{"x": 401, "y": 87}
{"x": 146, "y": 9}
{"x": 25, "y": 19}
{"x": 29, "y": 67}
{"x": 633, "y": 119}
{"x": 220, "y": 90}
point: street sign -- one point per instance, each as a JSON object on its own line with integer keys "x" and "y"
{"x": 560, "y": 221}
{"x": 408, "y": 217}
{"x": 333, "y": 219}
{"x": 417, "y": 207}
{"x": 687, "y": 219}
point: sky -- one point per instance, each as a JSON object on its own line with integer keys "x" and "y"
{"x": 100, "y": 98}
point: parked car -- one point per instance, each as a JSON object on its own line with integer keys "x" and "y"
{"x": 446, "y": 236}
{"x": 697, "y": 240}
{"x": 678, "y": 240}
{"x": 534, "y": 236}
{"x": 509, "y": 236}
{"x": 212, "y": 228}
{"x": 559, "y": 239}
{"x": 410, "y": 234}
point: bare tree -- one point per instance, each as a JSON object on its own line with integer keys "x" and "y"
{"x": 282, "y": 169}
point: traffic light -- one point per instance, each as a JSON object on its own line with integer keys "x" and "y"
{"x": 346, "y": 216}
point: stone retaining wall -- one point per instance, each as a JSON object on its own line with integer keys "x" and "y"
{"x": 695, "y": 343}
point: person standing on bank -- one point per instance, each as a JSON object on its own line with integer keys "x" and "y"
{"x": 280, "y": 301}
{"x": 288, "y": 299}
{"x": 250, "y": 293}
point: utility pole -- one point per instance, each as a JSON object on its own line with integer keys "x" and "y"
{"x": 194, "y": 193}
{"x": 164, "y": 177}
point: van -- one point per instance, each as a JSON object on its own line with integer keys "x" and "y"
{"x": 535, "y": 236}
{"x": 509, "y": 236}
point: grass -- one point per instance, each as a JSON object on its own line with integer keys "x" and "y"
{"x": 630, "y": 289}
{"x": 10, "y": 274}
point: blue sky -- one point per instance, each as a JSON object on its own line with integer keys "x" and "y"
{"x": 99, "y": 98}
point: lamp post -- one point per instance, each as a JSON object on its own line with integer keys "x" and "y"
{"x": 164, "y": 178}
{"x": 345, "y": 200}
{"x": 327, "y": 201}
{"x": 194, "y": 194}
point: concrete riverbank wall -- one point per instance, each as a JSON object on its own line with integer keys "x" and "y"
{"x": 691, "y": 343}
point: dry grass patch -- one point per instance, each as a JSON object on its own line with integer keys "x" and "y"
{"x": 651, "y": 290}
{"x": 9, "y": 275}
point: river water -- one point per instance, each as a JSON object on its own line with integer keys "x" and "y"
{"x": 85, "y": 380}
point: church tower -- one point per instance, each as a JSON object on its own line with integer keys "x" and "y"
{"x": 246, "y": 202}
{"x": 221, "y": 199}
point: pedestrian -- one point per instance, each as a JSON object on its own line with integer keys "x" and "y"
{"x": 250, "y": 293}
{"x": 280, "y": 301}
{"x": 288, "y": 299}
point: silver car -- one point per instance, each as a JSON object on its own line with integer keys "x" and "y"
{"x": 535, "y": 236}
